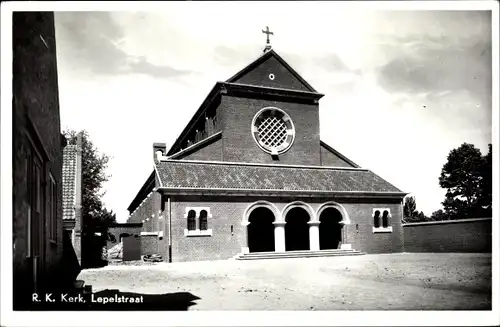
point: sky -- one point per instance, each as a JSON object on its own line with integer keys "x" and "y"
{"x": 407, "y": 86}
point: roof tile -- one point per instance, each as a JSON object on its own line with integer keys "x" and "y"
{"x": 183, "y": 174}
{"x": 69, "y": 181}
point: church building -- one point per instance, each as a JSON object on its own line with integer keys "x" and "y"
{"x": 250, "y": 174}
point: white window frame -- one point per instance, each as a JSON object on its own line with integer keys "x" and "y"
{"x": 197, "y": 231}
{"x": 382, "y": 229}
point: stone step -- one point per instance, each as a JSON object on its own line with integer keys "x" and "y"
{"x": 297, "y": 254}
{"x": 301, "y": 252}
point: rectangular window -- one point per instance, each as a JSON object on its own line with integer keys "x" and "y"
{"x": 52, "y": 208}
{"x": 35, "y": 197}
{"x": 191, "y": 220}
{"x": 203, "y": 220}
{"x": 36, "y": 205}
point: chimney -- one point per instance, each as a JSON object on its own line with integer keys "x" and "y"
{"x": 159, "y": 149}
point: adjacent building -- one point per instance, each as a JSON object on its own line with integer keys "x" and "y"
{"x": 37, "y": 154}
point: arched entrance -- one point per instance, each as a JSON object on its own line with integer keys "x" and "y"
{"x": 261, "y": 230}
{"x": 297, "y": 229}
{"x": 330, "y": 229}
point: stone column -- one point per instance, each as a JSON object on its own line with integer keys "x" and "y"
{"x": 314, "y": 235}
{"x": 279, "y": 236}
{"x": 245, "y": 249}
{"x": 345, "y": 244}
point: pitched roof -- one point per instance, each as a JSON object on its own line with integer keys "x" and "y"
{"x": 264, "y": 57}
{"x": 197, "y": 175}
{"x": 69, "y": 172}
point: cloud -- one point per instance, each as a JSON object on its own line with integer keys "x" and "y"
{"x": 232, "y": 57}
{"x": 92, "y": 40}
{"x": 425, "y": 66}
{"x": 331, "y": 63}
{"x": 142, "y": 66}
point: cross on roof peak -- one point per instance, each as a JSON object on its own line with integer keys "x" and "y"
{"x": 268, "y": 43}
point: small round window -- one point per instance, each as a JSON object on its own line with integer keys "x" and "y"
{"x": 273, "y": 130}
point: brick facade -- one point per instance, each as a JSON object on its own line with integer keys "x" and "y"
{"x": 149, "y": 213}
{"x": 228, "y": 215}
{"x": 229, "y": 111}
{"x": 36, "y": 125}
{"x": 239, "y": 145}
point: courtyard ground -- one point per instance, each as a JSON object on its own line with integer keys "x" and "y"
{"x": 406, "y": 281}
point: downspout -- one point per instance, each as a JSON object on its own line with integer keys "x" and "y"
{"x": 169, "y": 207}
{"x": 158, "y": 227}
{"x": 402, "y": 233}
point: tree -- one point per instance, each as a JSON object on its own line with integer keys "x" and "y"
{"x": 463, "y": 175}
{"x": 94, "y": 164}
{"x": 485, "y": 196}
{"x": 410, "y": 207}
{"x": 439, "y": 215}
{"x": 410, "y": 212}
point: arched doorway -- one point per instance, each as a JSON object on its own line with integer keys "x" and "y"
{"x": 261, "y": 230}
{"x": 330, "y": 229}
{"x": 297, "y": 229}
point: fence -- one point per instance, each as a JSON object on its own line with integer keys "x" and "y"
{"x": 464, "y": 235}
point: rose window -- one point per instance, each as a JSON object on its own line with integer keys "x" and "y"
{"x": 273, "y": 130}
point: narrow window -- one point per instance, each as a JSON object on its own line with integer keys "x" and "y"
{"x": 191, "y": 220}
{"x": 52, "y": 207}
{"x": 203, "y": 220}
{"x": 29, "y": 190}
{"x": 37, "y": 215}
{"x": 376, "y": 219}
{"x": 385, "y": 219}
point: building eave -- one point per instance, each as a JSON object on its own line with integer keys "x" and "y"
{"x": 279, "y": 193}
{"x": 231, "y": 163}
{"x": 272, "y": 91}
{"x": 69, "y": 224}
{"x": 142, "y": 192}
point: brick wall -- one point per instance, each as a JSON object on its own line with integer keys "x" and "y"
{"x": 360, "y": 232}
{"x": 150, "y": 244}
{"x": 148, "y": 211}
{"x": 239, "y": 145}
{"x": 119, "y": 229}
{"x": 283, "y": 78}
{"x": 227, "y": 212}
{"x": 468, "y": 235}
{"x": 209, "y": 152}
{"x": 35, "y": 91}
{"x": 331, "y": 159}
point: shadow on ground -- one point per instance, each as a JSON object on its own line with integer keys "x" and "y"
{"x": 179, "y": 301}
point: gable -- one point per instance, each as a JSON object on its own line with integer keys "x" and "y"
{"x": 331, "y": 157}
{"x": 270, "y": 70}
